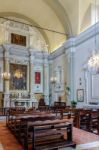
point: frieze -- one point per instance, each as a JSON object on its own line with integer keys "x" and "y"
{"x": 36, "y": 63}
{"x": 17, "y": 25}
{"x": 18, "y": 60}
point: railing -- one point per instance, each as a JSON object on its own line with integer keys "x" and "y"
{"x": 3, "y": 111}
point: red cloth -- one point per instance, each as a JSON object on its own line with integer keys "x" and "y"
{"x": 37, "y": 77}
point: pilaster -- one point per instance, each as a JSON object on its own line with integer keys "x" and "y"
{"x": 6, "y": 82}
{"x": 31, "y": 58}
{"x": 70, "y": 54}
{"x": 46, "y": 81}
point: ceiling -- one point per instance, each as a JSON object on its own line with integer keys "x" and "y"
{"x": 67, "y": 17}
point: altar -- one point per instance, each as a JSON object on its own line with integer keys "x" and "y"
{"x": 24, "y": 69}
{"x": 27, "y": 103}
{"x": 18, "y": 99}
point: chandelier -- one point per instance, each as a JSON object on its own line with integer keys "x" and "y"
{"x": 93, "y": 62}
{"x": 6, "y": 76}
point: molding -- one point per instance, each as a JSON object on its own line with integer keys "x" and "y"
{"x": 93, "y": 88}
{"x": 75, "y": 41}
{"x": 67, "y": 48}
{"x": 87, "y": 35}
{"x": 29, "y": 20}
{"x": 17, "y": 60}
{"x": 60, "y": 51}
{"x": 83, "y": 37}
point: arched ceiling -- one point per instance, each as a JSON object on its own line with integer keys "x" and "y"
{"x": 63, "y": 16}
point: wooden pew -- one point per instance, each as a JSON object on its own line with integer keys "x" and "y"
{"x": 94, "y": 121}
{"x": 49, "y": 134}
{"x": 22, "y": 124}
{"x": 72, "y": 113}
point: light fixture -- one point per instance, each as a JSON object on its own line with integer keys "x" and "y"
{"x": 93, "y": 62}
{"x": 53, "y": 80}
{"x": 18, "y": 74}
{"x": 6, "y": 76}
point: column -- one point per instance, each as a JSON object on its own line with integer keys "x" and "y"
{"x": 72, "y": 76}
{"x": 31, "y": 58}
{"x": 70, "y": 55}
{"x": 46, "y": 81}
{"x": 31, "y": 79}
{"x": 6, "y": 82}
{"x": 50, "y": 84}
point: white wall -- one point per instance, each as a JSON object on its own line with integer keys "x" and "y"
{"x": 59, "y": 60}
{"x": 90, "y": 83}
{"x": 73, "y": 57}
{"x": 1, "y": 70}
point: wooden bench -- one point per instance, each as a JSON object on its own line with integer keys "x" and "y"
{"x": 49, "y": 134}
{"x": 43, "y": 126}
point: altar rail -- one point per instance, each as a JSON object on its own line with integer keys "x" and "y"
{"x": 3, "y": 111}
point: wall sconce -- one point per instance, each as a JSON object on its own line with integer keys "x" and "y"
{"x": 6, "y": 76}
{"x": 53, "y": 80}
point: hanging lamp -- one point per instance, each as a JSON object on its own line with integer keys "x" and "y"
{"x": 93, "y": 62}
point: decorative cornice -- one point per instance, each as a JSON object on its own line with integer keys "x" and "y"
{"x": 71, "y": 44}
{"x": 66, "y": 48}
{"x": 18, "y": 60}
{"x": 83, "y": 37}
{"x": 39, "y": 54}
{"x": 60, "y": 51}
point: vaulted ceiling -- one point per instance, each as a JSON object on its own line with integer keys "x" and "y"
{"x": 66, "y": 17}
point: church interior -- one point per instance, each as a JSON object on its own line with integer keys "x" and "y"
{"x": 49, "y": 75}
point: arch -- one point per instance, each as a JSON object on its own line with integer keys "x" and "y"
{"x": 86, "y": 20}
{"x": 62, "y": 16}
{"x": 21, "y": 16}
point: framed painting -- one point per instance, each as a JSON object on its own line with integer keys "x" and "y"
{"x": 37, "y": 77}
{"x": 18, "y": 39}
{"x": 80, "y": 95}
{"x": 18, "y": 79}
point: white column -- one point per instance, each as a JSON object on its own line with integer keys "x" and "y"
{"x": 31, "y": 57}
{"x": 6, "y": 82}
{"x": 70, "y": 54}
{"x": 46, "y": 82}
{"x": 51, "y": 100}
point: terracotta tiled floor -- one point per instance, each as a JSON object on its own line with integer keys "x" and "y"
{"x": 7, "y": 139}
{"x": 10, "y": 143}
{"x": 83, "y": 137}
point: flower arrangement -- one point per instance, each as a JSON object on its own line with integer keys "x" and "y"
{"x": 73, "y": 103}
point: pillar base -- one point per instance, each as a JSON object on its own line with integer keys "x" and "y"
{"x": 6, "y": 100}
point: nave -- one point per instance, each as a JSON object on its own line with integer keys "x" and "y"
{"x": 49, "y": 75}
{"x": 20, "y": 123}
{"x": 9, "y": 142}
